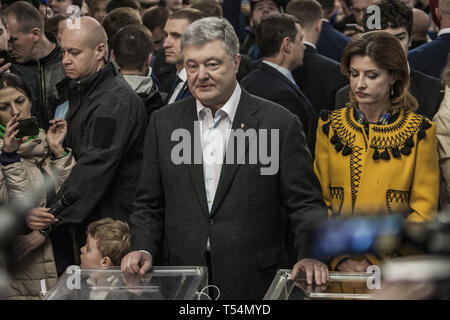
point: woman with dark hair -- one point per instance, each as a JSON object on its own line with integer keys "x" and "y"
{"x": 442, "y": 119}
{"x": 25, "y": 162}
{"x": 377, "y": 156}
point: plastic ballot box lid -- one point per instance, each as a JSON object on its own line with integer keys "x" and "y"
{"x": 342, "y": 285}
{"x": 160, "y": 283}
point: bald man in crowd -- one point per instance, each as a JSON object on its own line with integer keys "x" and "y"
{"x": 419, "y": 34}
{"x": 106, "y": 128}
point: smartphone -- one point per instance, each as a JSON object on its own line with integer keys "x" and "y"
{"x": 351, "y": 26}
{"x": 28, "y": 127}
{"x": 4, "y": 54}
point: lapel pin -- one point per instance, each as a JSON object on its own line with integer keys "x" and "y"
{"x": 242, "y": 125}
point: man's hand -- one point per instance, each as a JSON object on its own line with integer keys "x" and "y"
{"x": 28, "y": 243}
{"x": 6, "y": 67}
{"x": 350, "y": 265}
{"x": 314, "y": 269}
{"x": 55, "y": 136}
{"x": 39, "y": 218}
{"x": 354, "y": 34}
{"x": 136, "y": 262}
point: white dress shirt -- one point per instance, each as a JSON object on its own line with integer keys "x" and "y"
{"x": 285, "y": 72}
{"x": 214, "y": 133}
{"x": 183, "y": 76}
{"x": 443, "y": 31}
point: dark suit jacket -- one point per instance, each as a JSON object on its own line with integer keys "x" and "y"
{"x": 431, "y": 58}
{"x": 247, "y": 225}
{"x": 268, "y": 83}
{"x": 319, "y": 78}
{"x": 427, "y": 91}
{"x": 331, "y": 42}
{"x": 184, "y": 93}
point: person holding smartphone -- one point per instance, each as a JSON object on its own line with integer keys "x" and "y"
{"x": 25, "y": 162}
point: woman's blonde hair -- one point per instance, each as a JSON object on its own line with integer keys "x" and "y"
{"x": 386, "y": 52}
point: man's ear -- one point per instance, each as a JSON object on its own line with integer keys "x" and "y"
{"x": 237, "y": 62}
{"x": 286, "y": 45}
{"x": 112, "y": 55}
{"x": 319, "y": 26}
{"x": 8, "y": 31}
{"x": 106, "y": 262}
{"x": 148, "y": 61}
{"x": 101, "y": 51}
{"x": 35, "y": 34}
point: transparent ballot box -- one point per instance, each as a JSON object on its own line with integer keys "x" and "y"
{"x": 161, "y": 283}
{"x": 342, "y": 285}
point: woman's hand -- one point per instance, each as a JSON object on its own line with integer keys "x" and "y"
{"x": 55, "y": 136}
{"x": 10, "y": 142}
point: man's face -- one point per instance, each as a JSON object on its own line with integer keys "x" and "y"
{"x": 21, "y": 44}
{"x": 60, "y": 6}
{"x": 211, "y": 73}
{"x": 263, "y": 9}
{"x": 359, "y": 8}
{"x": 100, "y": 13}
{"x": 4, "y": 37}
{"x": 402, "y": 35}
{"x": 79, "y": 59}
{"x": 157, "y": 38}
{"x": 90, "y": 257}
{"x": 174, "y": 29}
{"x": 174, "y": 5}
{"x": 298, "y": 48}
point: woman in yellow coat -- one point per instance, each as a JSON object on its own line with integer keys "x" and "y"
{"x": 376, "y": 156}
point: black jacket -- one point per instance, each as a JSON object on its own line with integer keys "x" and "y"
{"x": 49, "y": 72}
{"x": 319, "y": 78}
{"x": 106, "y": 130}
{"x": 268, "y": 83}
{"x": 246, "y": 225}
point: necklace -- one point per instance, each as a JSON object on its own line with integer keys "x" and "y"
{"x": 363, "y": 120}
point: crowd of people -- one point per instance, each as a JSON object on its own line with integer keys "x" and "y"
{"x": 152, "y": 119}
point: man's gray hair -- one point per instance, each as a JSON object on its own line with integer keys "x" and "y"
{"x": 210, "y": 29}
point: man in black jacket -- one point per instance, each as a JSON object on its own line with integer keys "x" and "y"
{"x": 280, "y": 39}
{"x": 397, "y": 19}
{"x": 31, "y": 47}
{"x": 131, "y": 49}
{"x": 318, "y": 77}
{"x": 106, "y": 128}
{"x": 228, "y": 216}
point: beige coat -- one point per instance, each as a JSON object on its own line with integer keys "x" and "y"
{"x": 442, "y": 119}
{"x": 15, "y": 180}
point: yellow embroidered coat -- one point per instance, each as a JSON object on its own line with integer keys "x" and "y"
{"x": 393, "y": 169}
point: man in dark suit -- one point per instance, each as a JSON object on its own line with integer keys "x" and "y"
{"x": 174, "y": 28}
{"x": 319, "y": 78}
{"x": 431, "y": 58}
{"x": 331, "y": 42}
{"x": 398, "y": 20}
{"x": 280, "y": 39}
{"x": 233, "y": 216}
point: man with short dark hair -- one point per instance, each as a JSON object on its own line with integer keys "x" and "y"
{"x": 259, "y": 9}
{"x": 431, "y": 58}
{"x": 131, "y": 49}
{"x": 31, "y": 46}
{"x": 119, "y": 18}
{"x": 106, "y": 124}
{"x": 174, "y": 28}
{"x": 155, "y": 19}
{"x": 319, "y": 77}
{"x": 62, "y": 6}
{"x": 280, "y": 39}
{"x": 397, "y": 19}
{"x": 331, "y": 43}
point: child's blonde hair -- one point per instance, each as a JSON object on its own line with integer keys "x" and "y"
{"x": 113, "y": 238}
